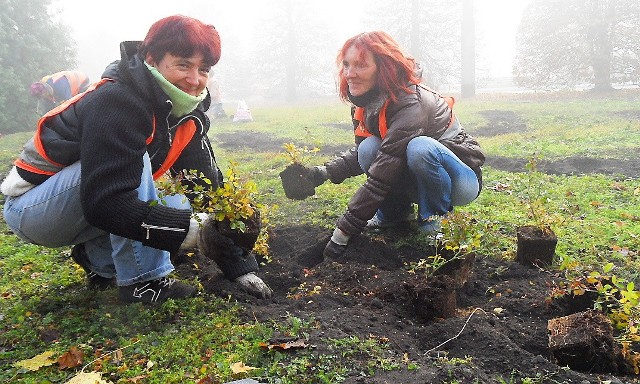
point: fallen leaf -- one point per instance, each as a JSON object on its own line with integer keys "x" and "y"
{"x": 137, "y": 379}
{"x": 207, "y": 380}
{"x": 36, "y": 362}
{"x": 71, "y": 359}
{"x": 239, "y": 367}
{"x": 88, "y": 378}
{"x": 284, "y": 345}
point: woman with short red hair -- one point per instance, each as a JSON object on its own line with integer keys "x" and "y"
{"x": 87, "y": 177}
{"x": 408, "y": 141}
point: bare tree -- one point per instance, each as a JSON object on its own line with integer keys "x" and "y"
{"x": 566, "y": 43}
{"x": 468, "y": 86}
{"x": 293, "y": 52}
{"x": 427, "y": 29}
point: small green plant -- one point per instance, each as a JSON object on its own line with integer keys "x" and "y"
{"x": 536, "y": 198}
{"x": 459, "y": 235}
{"x": 298, "y": 155}
{"x": 234, "y": 201}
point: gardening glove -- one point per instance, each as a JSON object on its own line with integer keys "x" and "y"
{"x": 318, "y": 175}
{"x": 337, "y": 246}
{"x": 254, "y": 285}
{"x": 299, "y": 182}
{"x": 191, "y": 240}
{"x": 214, "y": 245}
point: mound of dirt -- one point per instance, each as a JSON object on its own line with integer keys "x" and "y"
{"x": 500, "y": 323}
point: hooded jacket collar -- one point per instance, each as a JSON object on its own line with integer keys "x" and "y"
{"x": 130, "y": 69}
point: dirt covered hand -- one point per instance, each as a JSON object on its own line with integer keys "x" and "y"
{"x": 299, "y": 182}
{"x": 337, "y": 246}
{"x": 236, "y": 263}
{"x": 255, "y": 285}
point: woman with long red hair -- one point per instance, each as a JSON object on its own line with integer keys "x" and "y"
{"x": 408, "y": 141}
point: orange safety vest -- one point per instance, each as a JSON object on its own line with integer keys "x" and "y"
{"x": 77, "y": 81}
{"x": 182, "y": 137}
{"x": 362, "y": 130}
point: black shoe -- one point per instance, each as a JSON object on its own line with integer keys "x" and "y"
{"x": 94, "y": 281}
{"x": 156, "y": 291}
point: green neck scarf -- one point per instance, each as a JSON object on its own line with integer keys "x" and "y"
{"x": 183, "y": 102}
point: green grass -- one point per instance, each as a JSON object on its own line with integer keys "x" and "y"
{"x": 597, "y": 221}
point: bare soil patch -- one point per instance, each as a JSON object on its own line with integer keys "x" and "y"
{"x": 262, "y": 142}
{"x": 502, "y": 311}
{"x": 501, "y": 122}
{"x": 500, "y": 320}
{"x": 506, "y": 121}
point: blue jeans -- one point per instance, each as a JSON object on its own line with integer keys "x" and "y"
{"x": 434, "y": 178}
{"x": 51, "y": 215}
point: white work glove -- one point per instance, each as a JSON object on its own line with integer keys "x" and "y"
{"x": 191, "y": 240}
{"x": 254, "y": 285}
{"x": 14, "y": 185}
{"x": 337, "y": 246}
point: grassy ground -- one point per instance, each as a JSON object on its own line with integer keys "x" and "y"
{"x": 45, "y": 308}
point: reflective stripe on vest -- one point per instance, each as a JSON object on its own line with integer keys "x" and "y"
{"x": 183, "y": 136}
{"x": 362, "y": 130}
{"x": 37, "y": 140}
{"x": 76, "y": 80}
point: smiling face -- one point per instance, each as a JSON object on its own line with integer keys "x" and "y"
{"x": 190, "y": 74}
{"x": 360, "y": 70}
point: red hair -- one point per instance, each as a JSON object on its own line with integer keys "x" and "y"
{"x": 181, "y": 36}
{"x": 396, "y": 70}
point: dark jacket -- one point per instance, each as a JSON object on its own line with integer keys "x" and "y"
{"x": 423, "y": 113}
{"x": 109, "y": 129}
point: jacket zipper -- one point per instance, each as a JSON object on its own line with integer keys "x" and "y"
{"x": 148, "y": 227}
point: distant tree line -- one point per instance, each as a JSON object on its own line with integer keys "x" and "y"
{"x": 291, "y": 55}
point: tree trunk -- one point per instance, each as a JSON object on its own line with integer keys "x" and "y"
{"x": 291, "y": 66}
{"x": 600, "y": 40}
{"x": 468, "y": 86}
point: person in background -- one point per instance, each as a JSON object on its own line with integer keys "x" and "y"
{"x": 54, "y": 89}
{"x": 87, "y": 177}
{"x": 216, "y": 98}
{"x": 408, "y": 141}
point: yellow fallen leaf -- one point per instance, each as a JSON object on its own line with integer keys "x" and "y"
{"x": 87, "y": 378}
{"x": 239, "y": 367}
{"x": 36, "y": 362}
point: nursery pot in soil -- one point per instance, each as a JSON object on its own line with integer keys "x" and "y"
{"x": 432, "y": 298}
{"x": 536, "y": 246}
{"x": 458, "y": 266}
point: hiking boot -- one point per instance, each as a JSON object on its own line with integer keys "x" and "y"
{"x": 156, "y": 291}
{"x": 375, "y": 223}
{"x": 95, "y": 282}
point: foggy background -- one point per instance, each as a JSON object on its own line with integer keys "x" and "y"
{"x": 254, "y": 33}
{"x": 283, "y": 51}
